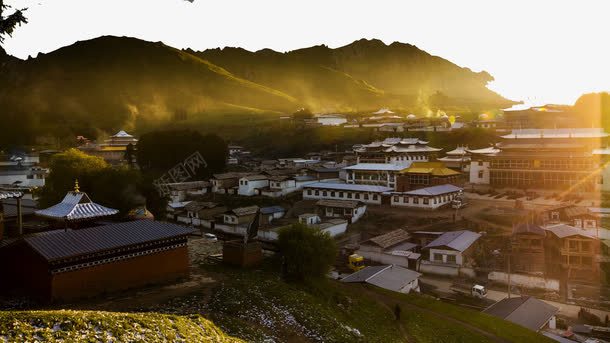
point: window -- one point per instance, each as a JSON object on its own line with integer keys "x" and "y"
{"x": 426, "y": 201}
{"x": 451, "y": 259}
{"x": 438, "y": 257}
{"x": 324, "y": 193}
{"x": 317, "y": 192}
{"x": 332, "y": 194}
{"x": 340, "y": 194}
{"x": 375, "y": 197}
{"x": 309, "y": 192}
{"x": 405, "y": 199}
{"x": 366, "y": 196}
{"x": 481, "y": 173}
{"x": 349, "y": 195}
{"x": 30, "y": 176}
{"x": 396, "y": 198}
{"x": 480, "y": 164}
{"x": 574, "y": 260}
{"x": 357, "y": 196}
{"x": 416, "y": 200}
{"x": 573, "y": 245}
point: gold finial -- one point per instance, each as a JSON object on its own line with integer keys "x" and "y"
{"x": 76, "y": 188}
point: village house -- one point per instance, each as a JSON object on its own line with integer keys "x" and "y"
{"x": 528, "y": 249}
{"x": 175, "y": 209}
{"x": 393, "y": 247}
{"x": 368, "y": 194}
{"x": 9, "y": 214}
{"x": 572, "y": 254}
{"x": 22, "y": 170}
{"x": 251, "y": 184}
{"x": 429, "y": 198}
{"x": 236, "y": 221}
{"x": 426, "y": 174}
{"x": 69, "y": 264}
{"x": 380, "y": 174}
{"x": 324, "y": 173}
{"x": 180, "y": 191}
{"x": 332, "y": 226}
{"x": 526, "y": 311}
{"x": 282, "y": 185}
{"x": 393, "y": 278}
{"x": 226, "y": 183}
{"x": 479, "y": 165}
{"x": 451, "y": 254}
{"x": 269, "y": 214}
{"x": 351, "y": 210}
{"x": 198, "y": 213}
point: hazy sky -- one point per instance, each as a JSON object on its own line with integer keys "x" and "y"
{"x": 538, "y": 50}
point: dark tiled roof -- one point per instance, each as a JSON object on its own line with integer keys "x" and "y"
{"x": 364, "y": 274}
{"x": 391, "y": 238}
{"x": 456, "y": 240}
{"x": 529, "y": 228}
{"x": 60, "y": 244}
{"x": 272, "y": 209}
{"x": 525, "y": 311}
{"x": 9, "y": 206}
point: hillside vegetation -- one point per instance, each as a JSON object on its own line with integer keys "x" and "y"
{"x": 103, "y": 84}
{"x": 90, "y": 326}
{"x": 257, "y": 306}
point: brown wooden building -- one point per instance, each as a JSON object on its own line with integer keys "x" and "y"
{"x": 69, "y": 264}
{"x": 572, "y": 254}
{"x": 528, "y": 253}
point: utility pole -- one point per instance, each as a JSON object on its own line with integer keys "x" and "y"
{"x": 19, "y": 215}
{"x": 508, "y": 275}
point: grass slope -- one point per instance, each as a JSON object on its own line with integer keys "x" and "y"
{"x": 259, "y": 306}
{"x": 93, "y": 326}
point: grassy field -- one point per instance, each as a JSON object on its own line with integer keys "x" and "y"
{"x": 259, "y": 306}
{"x": 94, "y": 326}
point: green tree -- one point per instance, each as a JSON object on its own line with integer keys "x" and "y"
{"x": 159, "y": 151}
{"x": 121, "y": 188}
{"x": 307, "y": 252}
{"x": 9, "y": 22}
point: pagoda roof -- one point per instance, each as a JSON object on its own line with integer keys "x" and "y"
{"x": 557, "y": 133}
{"x": 460, "y": 150}
{"x": 122, "y": 134}
{"x": 74, "y": 206}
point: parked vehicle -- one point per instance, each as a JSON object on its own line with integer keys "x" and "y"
{"x": 458, "y": 203}
{"x": 211, "y": 237}
{"x": 470, "y": 290}
{"x": 355, "y": 262}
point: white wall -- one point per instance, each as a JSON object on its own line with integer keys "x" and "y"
{"x": 527, "y": 281}
{"x": 427, "y": 267}
{"x": 336, "y": 230}
{"x": 328, "y": 195}
{"x": 383, "y": 258}
{"x": 458, "y": 256}
{"x": 247, "y": 187}
{"x": 474, "y": 172}
{"x": 10, "y": 179}
{"x": 431, "y": 201}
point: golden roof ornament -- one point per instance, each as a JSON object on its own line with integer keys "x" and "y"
{"x": 76, "y": 188}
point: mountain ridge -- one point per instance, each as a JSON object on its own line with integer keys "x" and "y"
{"x": 110, "y": 82}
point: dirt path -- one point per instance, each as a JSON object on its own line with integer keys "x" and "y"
{"x": 388, "y": 301}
